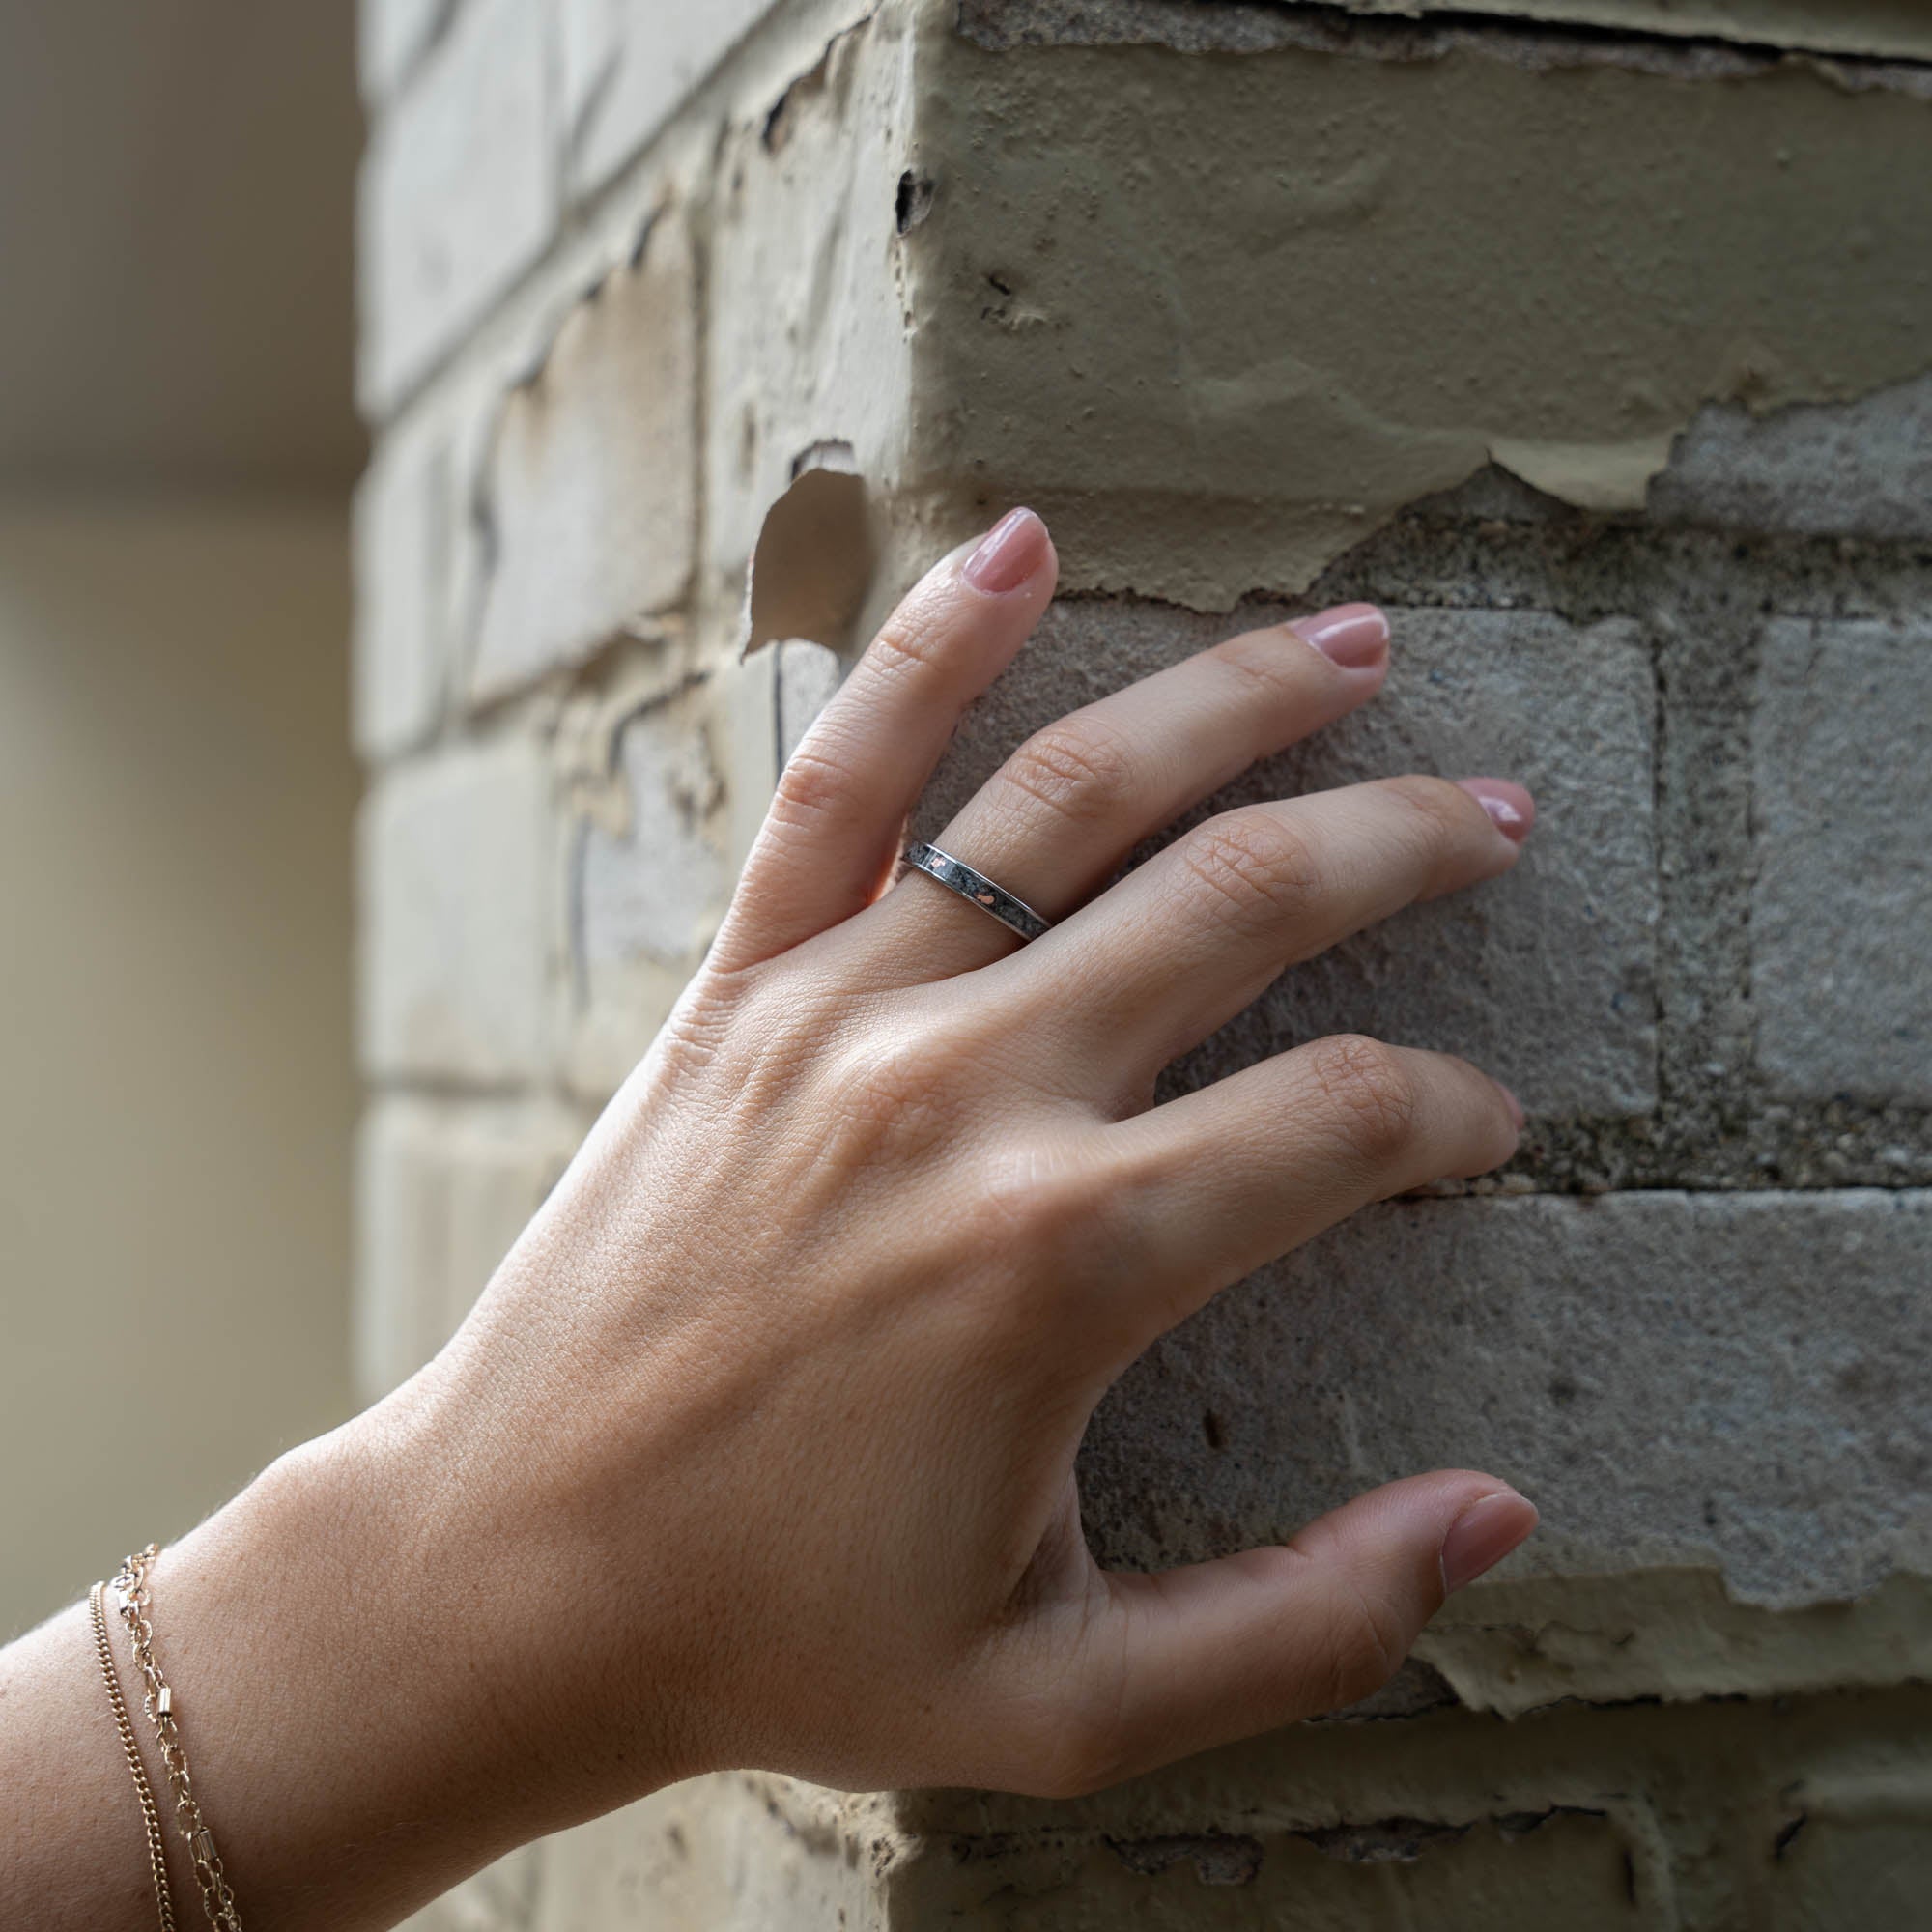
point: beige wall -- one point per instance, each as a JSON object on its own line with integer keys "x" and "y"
{"x": 176, "y": 1094}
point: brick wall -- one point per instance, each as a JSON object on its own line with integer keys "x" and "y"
{"x": 1590, "y": 338}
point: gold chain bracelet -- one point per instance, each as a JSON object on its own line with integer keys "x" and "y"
{"x": 131, "y": 1584}
{"x": 150, "y": 1817}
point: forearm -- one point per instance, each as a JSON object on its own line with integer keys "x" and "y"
{"x": 346, "y": 1743}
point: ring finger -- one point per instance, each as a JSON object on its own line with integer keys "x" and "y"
{"x": 1079, "y": 796}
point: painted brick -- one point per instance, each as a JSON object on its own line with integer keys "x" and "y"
{"x": 1861, "y": 469}
{"x": 1570, "y": 1868}
{"x": 1544, "y": 978}
{"x": 628, "y": 64}
{"x": 1856, "y": 1850}
{"x": 390, "y": 37}
{"x": 457, "y": 921}
{"x": 402, "y": 540}
{"x": 1841, "y": 905}
{"x": 458, "y": 192}
{"x": 649, "y": 885}
{"x": 809, "y": 356}
{"x": 1845, "y": 26}
{"x": 592, "y": 496}
{"x": 1738, "y": 1381}
{"x": 442, "y": 1195}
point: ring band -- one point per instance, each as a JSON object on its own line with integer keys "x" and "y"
{"x": 1015, "y": 915}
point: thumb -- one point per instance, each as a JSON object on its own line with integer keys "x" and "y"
{"x": 1180, "y": 1660}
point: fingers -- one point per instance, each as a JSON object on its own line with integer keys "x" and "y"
{"x": 832, "y": 830}
{"x": 1226, "y": 1179}
{"x": 1188, "y": 939}
{"x": 1177, "y": 1662}
{"x": 1075, "y": 799}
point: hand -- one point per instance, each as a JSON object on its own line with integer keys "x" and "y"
{"x": 772, "y": 1413}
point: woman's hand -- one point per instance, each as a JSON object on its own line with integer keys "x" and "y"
{"x": 759, "y": 1448}
{"x": 777, "y": 1402}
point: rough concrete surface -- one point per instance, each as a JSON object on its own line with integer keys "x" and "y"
{"x": 1738, "y": 1381}
{"x": 1220, "y": 369}
{"x": 1546, "y": 977}
{"x": 1861, "y": 469}
{"x": 1842, "y": 900}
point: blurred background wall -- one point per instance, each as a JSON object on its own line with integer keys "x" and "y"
{"x": 177, "y": 445}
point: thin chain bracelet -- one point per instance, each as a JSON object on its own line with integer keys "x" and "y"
{"x": 151, "y": 1818}
{"x": 131, "y": 1586}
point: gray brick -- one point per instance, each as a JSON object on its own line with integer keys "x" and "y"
{"x": 629, "y": 64}
{"x": 594, "y": 531}
{"x": 1861, "y": 469}
{"x": 1733, "y": 1381}
{"x": 1546, "y": 977}
{"x": 458, "y": 192}
{"x": 1841, "y": 905}
{"x": 457, "y": 918}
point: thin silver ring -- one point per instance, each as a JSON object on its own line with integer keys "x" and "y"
{"x": 1015, "y": 915}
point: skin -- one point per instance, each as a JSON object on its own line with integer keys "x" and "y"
{"x": 758, "y": 1449}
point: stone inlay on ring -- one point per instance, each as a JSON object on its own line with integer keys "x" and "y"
{"x": 1015, "y": 915}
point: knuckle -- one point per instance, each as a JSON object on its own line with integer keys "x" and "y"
{"x": 906, "y": 646}
{"x": 812, "y": 787}
{"x": 1364, "y": 1647}
{"x": 1273, "y": 674}
{"x": 1259, "y": 872}
{"x": 1370, "y": 1091}
{"x": 1440, "y": 811}
{"x": 1077, "y": 768}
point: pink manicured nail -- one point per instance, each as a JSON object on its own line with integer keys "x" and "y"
{"x": 1483, "y": 1535}
{"x": 1511, "y": 811}
{"x": 1009, "y": 553}
{"x": 1353, "y": 636}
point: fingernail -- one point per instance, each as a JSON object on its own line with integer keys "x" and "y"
{"x": 1009, "y": 553}
{"x": 1511, "y": 811}
{"x": 1353, "y": 636}
{"x": 1515, "y": 1105}
{"x": 1483, "y": 1535}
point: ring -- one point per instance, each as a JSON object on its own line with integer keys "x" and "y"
{"x": 1015, "y": 915}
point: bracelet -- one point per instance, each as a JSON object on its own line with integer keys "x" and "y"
{"x": 150, "y": 1817}
{"x": 130, "y": 1583}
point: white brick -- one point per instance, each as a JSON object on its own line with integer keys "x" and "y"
{"x": 402, "y": 561}
{"x": 650, "y": 885}
{"x": 443, "y": 1194}
{"x": 458, "y": 919}
{"x": 592, "y": 492}
{"x": 1841, "y": 905}
{"x": 391, "y": 36}
{"x": 628, "y": 64}
{"x": 458, "y": 192}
